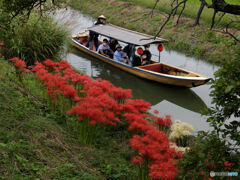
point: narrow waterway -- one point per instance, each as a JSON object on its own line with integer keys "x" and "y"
{"x": 181, "y": 103}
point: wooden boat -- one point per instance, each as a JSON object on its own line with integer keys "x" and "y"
{"x": 156, "y": 71}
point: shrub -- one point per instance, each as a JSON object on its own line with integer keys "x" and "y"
{"x": 226, "y": 96}
{"x": 35, "y": 40}
{"x": 208, "y": 153}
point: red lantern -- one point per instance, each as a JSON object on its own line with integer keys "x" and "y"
{"x": 140, "y": 51}
{"x": 160, "y": 47}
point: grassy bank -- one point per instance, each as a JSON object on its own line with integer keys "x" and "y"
{"x": 193, "y": 41}
{"x": 37, "y": 143}
{"x": 191, "y": 10}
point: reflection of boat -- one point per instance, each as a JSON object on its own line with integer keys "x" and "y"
{"x": 144, "y": 89}
{"x": 156, "y": 71}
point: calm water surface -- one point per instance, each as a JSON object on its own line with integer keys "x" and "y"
{"x": 181, "y": 103}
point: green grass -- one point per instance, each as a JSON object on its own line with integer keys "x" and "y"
{"x": 38, "y": 143}
{"x": 191, "y": 10}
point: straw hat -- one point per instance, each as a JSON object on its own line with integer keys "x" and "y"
{"x": 118, "y": 46}
{"x": 102, "y": 17}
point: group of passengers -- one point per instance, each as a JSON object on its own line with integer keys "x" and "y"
{"x": 114, "y": 49}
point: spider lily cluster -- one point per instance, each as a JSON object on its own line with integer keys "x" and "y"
{"x": 98, "y": 102}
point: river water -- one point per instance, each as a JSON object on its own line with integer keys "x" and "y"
{"x": 181, "y": 103}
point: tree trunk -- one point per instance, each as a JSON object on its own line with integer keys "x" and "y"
{"x": 213, "y": 18}
{"x": 222, "y": 6}
{"x": 199, "y": 13}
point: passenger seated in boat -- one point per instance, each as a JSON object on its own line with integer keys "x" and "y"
{"x": 127, "y": 50}
{"x": 104, "y": 49}
{"x": 120, "y": 56}
{"x": 136, "y": 59}
{"x": 146, "y": 55}
{"x": 113, "y": 43}
{"x": 94, "y": 36}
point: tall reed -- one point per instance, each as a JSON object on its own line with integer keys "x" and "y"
{"x": 35, "y": 40}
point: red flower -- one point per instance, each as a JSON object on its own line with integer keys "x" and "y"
{"x": 156, "y": 111}
{"x": 64, "y": 65}
{"x": 227, "y": 165}
{"x": 49, "y": 62}
{"x": 101, "y": 102}
{"x": 137, "y": 160}
{"x": 15, "y": 59}
{"x": 19, "y": 64}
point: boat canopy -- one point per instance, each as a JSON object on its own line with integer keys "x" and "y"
{"x": 125, "y": 35}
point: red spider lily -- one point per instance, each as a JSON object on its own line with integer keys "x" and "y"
{"x": 69, "y": 91}
{"x": 81, "y": 79}
{"x": 99, "y": 109}
{"x": 156, "y": 111}
{"x": 163, "y": 170}
{"x": 168, "y": 121}
{"x": 64, "y": 65}
{"x": 38, "y": 66}
{"x": 160, "y": 121}
{"x": 227, "y": 165}
{"x": 137, "y": 160}
{"x": 49, "y": 62}
{"x": 15, "y": 59}
{"x": 164, "y": 122}
{"x": 136, "y": 105}
{"x": 100, "y": 104}
{"x": 19, "y": 64}
{"x": 121, "y": 94}
{"x": 210, "y": 178}
{"x": 155, "y": 147}
{"x": 140, "y": 125}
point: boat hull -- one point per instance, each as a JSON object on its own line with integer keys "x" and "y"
{"x": 147, "y": 74}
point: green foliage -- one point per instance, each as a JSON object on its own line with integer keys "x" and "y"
{"x": 207, "y": 154}
{"x": 120, "y": 172}
{"x": 226, "y": 97}
{"x": 157, "y": 18}
{"x": 68, "y": 171}
{"x": 23, "y": 8}
{"x": 35, "y": 40}
{"x": 28, "y": 33}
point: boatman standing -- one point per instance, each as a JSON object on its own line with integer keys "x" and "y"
{"x": 94, "y": 36}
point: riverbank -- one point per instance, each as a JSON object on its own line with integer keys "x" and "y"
{"x": 197, "y": 41}
{"x": 36, "y": 142}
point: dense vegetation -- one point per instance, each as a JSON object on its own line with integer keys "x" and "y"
{"x": 218, "y": 150}
{"x": 35, "y": 40}
{"x": 28, "y": 36}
